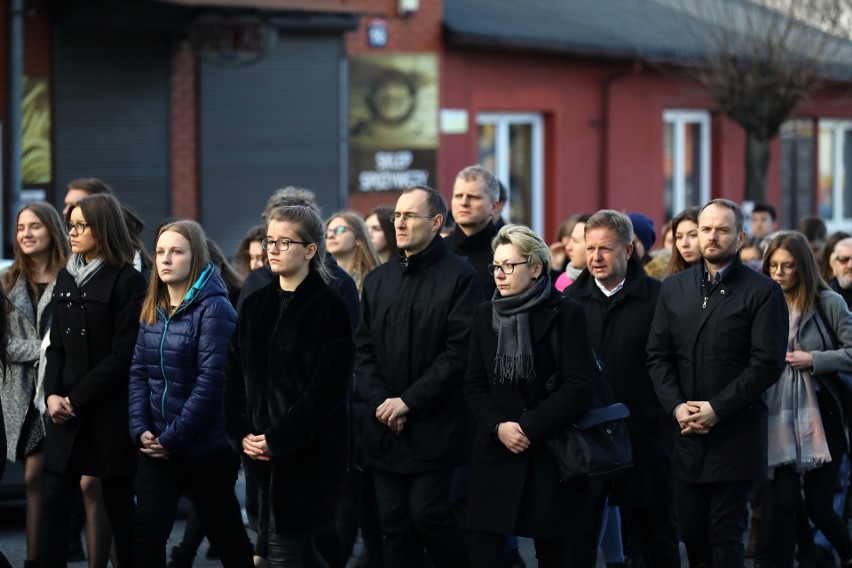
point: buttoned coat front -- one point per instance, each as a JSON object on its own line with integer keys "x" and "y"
{"x": 727, "y": 353}
{"x": 91, "y": 343}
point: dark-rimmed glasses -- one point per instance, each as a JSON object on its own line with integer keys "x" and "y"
{"x": 337, "y": 231}
{"x": 506, "y": 268}
{"x": 80, "y": 228}
{"x": 280, "y": 246}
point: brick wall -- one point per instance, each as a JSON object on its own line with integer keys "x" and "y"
{"x": 184, "y": 132}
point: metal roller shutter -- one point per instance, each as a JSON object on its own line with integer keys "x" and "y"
{"x": 271, "y": 124}
{"x": 111, "y": 102}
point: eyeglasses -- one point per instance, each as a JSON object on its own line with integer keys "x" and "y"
{"x": 784, "y": 267}
{"x": 337, "y": 231}
{"x": 280, "y": 246}
{"x": 843, "y": 259}
{"x": 395, "y": 217}
{"x": 79, "y": 228}
{"x": 506, "y": 268}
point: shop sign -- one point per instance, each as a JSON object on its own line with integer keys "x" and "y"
{"x": 231, "y": 42}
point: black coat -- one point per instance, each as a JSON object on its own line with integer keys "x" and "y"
{"x": 92, "y": 336}
{"x": 476, "y": 249}
{"x": 728, "y": 353}
{"x": 286, "y": 376}
{"x": 618, "y": 329}
{"x": 521, "y": 493}
{"x": 412, "y": 343}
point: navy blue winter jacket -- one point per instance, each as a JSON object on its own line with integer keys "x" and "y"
{"x": 177, "y": 372}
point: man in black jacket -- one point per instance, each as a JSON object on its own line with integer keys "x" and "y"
{"x": 619, "y": 299}
{"x": 475, "y": 194}
{"x": 717, "y": 342}
{"x": 411, "y": 353}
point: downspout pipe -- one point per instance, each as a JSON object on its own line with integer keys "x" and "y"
{"x": 16, "y": 97}
{"x": 606, "y": 88}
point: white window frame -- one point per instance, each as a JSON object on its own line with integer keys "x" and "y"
{"x": 502, "y": 120}
{"x": 680, "y": 118}
{"x": 837, "y": 127}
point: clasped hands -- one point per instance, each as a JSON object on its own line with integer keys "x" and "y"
{"x": 696, "y": 417}
{"x": 393, "y": 413}
{"x": 59, "y": 408}
{"x": 151, "y": 446}
{"x": 254, "y": 446}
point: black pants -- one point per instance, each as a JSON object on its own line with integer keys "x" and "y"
{"x": 712, "y": 520}
{"x": 654, "y": 527}
{"x": 209, "y": 480}
{"x": 59, "y": 492}
{"x": 819, "y": 494}
{"x": 415, "y": 513}
{"x": 486, "y": 551}
{"x": 288, "y": 551}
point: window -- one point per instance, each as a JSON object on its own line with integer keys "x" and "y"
{"x": 686, "y": 159}
{"x": 834, "y": 194}
{"x": 510, "y": 145}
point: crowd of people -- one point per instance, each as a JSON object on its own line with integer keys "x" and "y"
{"x": 399, "y": 377}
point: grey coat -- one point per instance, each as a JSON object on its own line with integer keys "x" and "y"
{"x": 21, "y": 380}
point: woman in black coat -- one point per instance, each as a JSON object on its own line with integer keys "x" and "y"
{"x": 97, "y": 300}
{"x": 514, "y": 480}
{"x": 288, "y": 368}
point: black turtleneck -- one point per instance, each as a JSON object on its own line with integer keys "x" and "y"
{"x": 845, "y": 292}
{"x": 476, "y": 249}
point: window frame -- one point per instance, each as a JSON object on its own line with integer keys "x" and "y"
{"x": 680, "y": 118}
{"x": 837, "y": 126}
{"x": 502, "y": 121}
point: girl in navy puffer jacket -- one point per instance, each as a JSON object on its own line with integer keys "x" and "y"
{"x": 176, "y": 409}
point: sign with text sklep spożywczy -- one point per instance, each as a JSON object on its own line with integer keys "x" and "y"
{"x": 393, "y": 121}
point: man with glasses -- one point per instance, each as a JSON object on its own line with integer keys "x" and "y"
{"x": 410, "y": 362}
{"x": 841, "y": 263}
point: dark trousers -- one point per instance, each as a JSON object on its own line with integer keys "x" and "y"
{"x": 209, "y": 480}
{"x": 59, "y": 493}
{"x": 819, "y": 494}
{"x": 486, "y": 551}
{"x": 654, "y": 527}
{"x": 292, "y": 551}
{"x": 415, "y": 512}
{"x": 712, "y": 520}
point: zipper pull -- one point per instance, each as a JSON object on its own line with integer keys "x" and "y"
{"x": 704, "y": 305}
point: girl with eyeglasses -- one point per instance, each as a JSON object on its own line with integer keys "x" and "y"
{"x": 97, "y": 301}
{"x": 286, "y": 377}
{"x": 176, "y": 409}
{"x": 514, "y": 482}
{"x": 347, "y": 238}
{"x": 41, "y": 250}
{"x": 807, "y": 426}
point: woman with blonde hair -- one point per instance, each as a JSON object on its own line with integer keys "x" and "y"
{"x": 348, "y": 239}
{"x": 514, "y": 481}
{"x": 807, "y": 428}
{"x": 41, "y": 250}
{"x": 176, "y": 409}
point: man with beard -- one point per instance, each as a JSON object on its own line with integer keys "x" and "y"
{"x": 841, "y": 263}
{"x": 717, "y": 342}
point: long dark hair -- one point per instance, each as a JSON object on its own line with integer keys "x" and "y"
{"x": 677, "y": 263}
{"x": 59, "y": 248}
{"x": 106, "y": 221}
{"x": 383, "y": 215}
{"x": 810, "y": 281}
